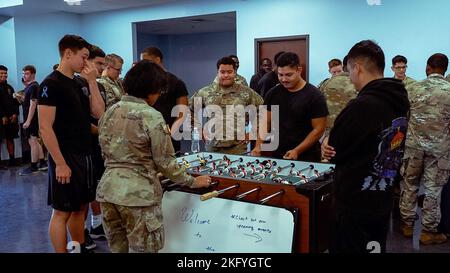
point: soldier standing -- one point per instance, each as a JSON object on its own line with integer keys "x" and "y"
{"x": 223, "y": 93}
{"x": 338, "y": 91}
{"x": 427, "y": 151}
{"x": 110, "y": 79}
{"x": 399, "y": 66}
{"x": 136, "y": 145}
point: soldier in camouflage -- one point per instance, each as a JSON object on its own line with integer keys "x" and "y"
{"x": 338, "y": 91}
{"x": 427, "y": 151}
{"x": 238, "y": 78}
{"x": 399, "y": 66}
{"x": 136, "y": 145}
{"x": 226, "y": 92}
{"x": 335, "y": 68}
{"x": 110, "y": 79}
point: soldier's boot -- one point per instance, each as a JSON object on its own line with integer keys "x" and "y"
{"x": 428, "y": 238}
{"x": 407, "y": 230}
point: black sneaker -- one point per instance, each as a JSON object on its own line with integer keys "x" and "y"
{"x": 43, "y": 167}
{"x": 84, "y": 249}
{"x": 28, "y": 171}
{"x": 88, "y": 242}
{"x": 98, "y": 233}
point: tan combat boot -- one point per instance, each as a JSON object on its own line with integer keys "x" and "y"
{"x": 428, "y": 238}
{"x": 407, "y": 231}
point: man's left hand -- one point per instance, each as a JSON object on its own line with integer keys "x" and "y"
{"x": 291, "y": 154}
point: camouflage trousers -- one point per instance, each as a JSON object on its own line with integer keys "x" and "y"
{"x": 433, "y": 172}
{"x": 133, "y": 229}
{"x": 234, "y": 150}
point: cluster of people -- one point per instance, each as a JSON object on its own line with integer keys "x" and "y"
{"x": 110, "y": 140}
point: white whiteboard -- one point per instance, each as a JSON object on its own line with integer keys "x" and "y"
{"x": 223, "y": 226}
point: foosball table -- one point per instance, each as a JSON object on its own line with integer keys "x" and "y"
{"x": 301, "y": 187}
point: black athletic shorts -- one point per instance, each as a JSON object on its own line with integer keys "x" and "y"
{"x": 81, "y": 189}
{"x": 32, "y": 130}
{"x": 11, "y": 131}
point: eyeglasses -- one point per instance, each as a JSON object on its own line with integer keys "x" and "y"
{"x": 400, "y": 67}
{"x": 118, "y": 69}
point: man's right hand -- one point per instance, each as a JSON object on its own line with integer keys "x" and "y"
{"x": 327, "y": 150}
{"x": 63, "y": 173}
{"x": 26, "y": 125}
{"x": 256, "y": 151}
{"x": 202, "y": 181}
{"x": 4, "y": 120}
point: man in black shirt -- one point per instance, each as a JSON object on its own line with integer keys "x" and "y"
{"x": 302, "y": 111}
{"x": 174, "y": 94}
{"x": 65, "y": 106}
{"x": 269, "y": 80}
{"x": 266, "y": 67}
{"x": 9, "y": 109}
{"x": 366, "y": 144}
{"x": 31, "y": 125}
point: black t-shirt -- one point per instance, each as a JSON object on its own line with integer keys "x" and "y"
{"x": 8, "y": 104}
{"x": 168, "y": 98}
{"x": 72, "y": 118}
{"x": 297, "y": 109}
{"x": 31, "y": 93}
{"x": 267, "y": 82}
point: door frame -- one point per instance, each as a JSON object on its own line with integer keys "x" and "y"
{"x": 283, "y": 38}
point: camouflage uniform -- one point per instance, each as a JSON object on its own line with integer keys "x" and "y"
{"x": 338, "y": 91}
{"x": 319, "y": 86}
{"x": 113, "y": 89}
{"x": 238, "y": 79}
{"x": 237, "y": 94}
{"x": 427, "y": 150}
{"x": 408, "y": 81}
{"x": 136, "y": 145}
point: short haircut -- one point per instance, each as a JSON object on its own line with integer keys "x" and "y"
{"x": 438, "y": 61}
{"x": 226, "y": 60}
{"x": 30, "y": 68}
{"x": 113, "y": 59}
{"x": 288, "y": 59}
{"x": 266, "y": 59}
{"x": 233, "y": 56}
{"x": 371, "y": 53}
{"x": 334, "y": 62}
{"x": 55, "y": 66}
{"x": 344, "y": 61}
{"x": 4, "y": 68}
{"x": 143, "y": 79}
{"x": 95, "y": 52}
{"x": 399, "y": 59}
{"x": 72, "y": 42}
{"x": 275, "y": 58}
{"x": 154, "y": 51}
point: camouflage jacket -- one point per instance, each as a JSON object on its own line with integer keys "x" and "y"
{"x": 113, "y": 89}
{"x": 338, "y": 91}
{"x": 408, "y": 81}
{"x": 429, "y": 123}
{"x": 237, "y": 94}
{"x": 136, "y": 145}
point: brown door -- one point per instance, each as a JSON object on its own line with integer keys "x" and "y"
{"x": 268, "y": 47}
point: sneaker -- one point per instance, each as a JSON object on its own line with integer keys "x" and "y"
{"x": 28, "y": 171}
{"x": 43, "y": 167}
{"x": 407, "y": 231}
{"x": 97, "y": 233}
{"x": 428, "y": 238}
{"x": 88, "y": 242}
{"x": 84, "y": 249}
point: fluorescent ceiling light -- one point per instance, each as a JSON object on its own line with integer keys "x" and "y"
{"x": 73, "y": 2}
